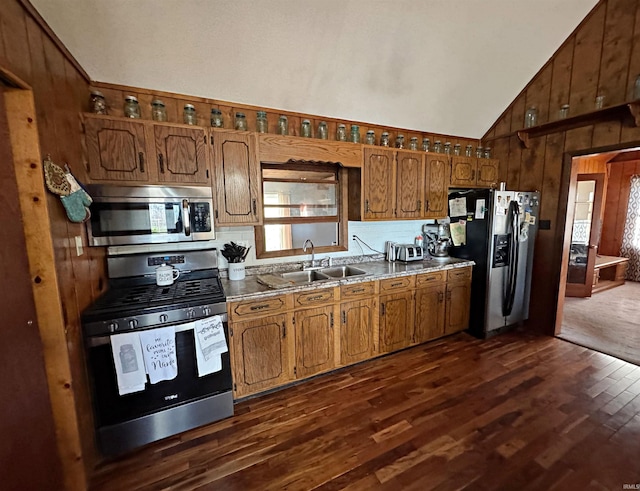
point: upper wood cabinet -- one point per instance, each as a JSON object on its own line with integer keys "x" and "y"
{"x": 401, "y": 184}
{"x": 472, "y": 171}
{"x": 181, "y": 154}
{"x": 132, "y": 151}
{"x": 116, "y": 150}
{"x": 436, "y": 186}
{"x": 377, "y": 184}
{"x": 409, "y": 185}
{"x": 237, "y": 175}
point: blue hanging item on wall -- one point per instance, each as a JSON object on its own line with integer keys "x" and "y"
{"x": 74, "y": 198}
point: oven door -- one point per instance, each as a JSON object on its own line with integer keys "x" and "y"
{"x": 112, "y": 409}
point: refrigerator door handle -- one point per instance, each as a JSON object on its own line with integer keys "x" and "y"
{"x": 513, "y": 223}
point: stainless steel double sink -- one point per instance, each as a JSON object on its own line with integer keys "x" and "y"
{"x": 325, "y": 274}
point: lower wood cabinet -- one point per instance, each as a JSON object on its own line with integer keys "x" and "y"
{"x": 458, "y": 302}
{"x": 278, "y": 339}
{"x": 262, "y": 352}
{"x": 396, "y": 321}
{"x": 315, "y": 348}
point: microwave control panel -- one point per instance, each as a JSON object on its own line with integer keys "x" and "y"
{"x": 201, "y": 217}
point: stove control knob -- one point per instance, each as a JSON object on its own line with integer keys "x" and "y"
{"x": 164, "y": 318}
{"x": 133, "y": 324}
{"x": 113, "y": 326}
{"x": 206, "y": 311}
{"x": 191, "y": 313}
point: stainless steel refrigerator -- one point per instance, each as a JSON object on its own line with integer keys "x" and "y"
{"x": 497, "y": 230}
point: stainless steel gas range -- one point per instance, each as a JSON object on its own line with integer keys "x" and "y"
{"x": 135, "y": 304}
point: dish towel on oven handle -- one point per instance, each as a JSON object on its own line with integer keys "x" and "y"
{"x": 159, "y": 351}
{"x": 128, "y": 361}
{"x": 210, "y": 344}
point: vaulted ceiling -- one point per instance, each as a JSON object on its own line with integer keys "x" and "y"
{"x": 448, "y": 66}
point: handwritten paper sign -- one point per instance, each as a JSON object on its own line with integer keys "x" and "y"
{"x": 157, "y": 218}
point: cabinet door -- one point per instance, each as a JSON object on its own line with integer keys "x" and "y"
{"x": 458, "y": 302}
{"x": 357, "y": 327}
{"x": 487, "y": 172}
{"x": 396, "y": 321}
{"x": 409, "y": 188}
{"x": 429, "y": 313}
{"x": 378, "y": 192}
{"x": 436, "y": 185}
{"x": 463, "y": 171}
{"x": 116, "y": 150}
{"x": 315, "y": 351}
{"x": 238, "y": 194}
{"x": 261, "y": 351}
{"x": 181, "y": 154}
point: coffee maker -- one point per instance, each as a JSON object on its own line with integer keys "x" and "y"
{"x": 438, "y": 239}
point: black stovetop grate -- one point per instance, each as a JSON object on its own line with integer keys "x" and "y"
{"x": 144, "y": 294}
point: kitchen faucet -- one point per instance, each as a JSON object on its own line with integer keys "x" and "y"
{"x": 313, "y": 257}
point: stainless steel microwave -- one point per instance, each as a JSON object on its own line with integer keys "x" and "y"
{"x": 128, "y": 215}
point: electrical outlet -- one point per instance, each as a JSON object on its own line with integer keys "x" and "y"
{"x": 79, "y": 248}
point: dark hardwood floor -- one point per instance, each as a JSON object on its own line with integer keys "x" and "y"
{"x": 518, "y": 411}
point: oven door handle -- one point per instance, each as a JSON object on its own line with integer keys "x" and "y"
{"x": 94, "y": 341}
{"x": 186, "y": 217}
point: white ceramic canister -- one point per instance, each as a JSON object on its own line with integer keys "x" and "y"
{"x": 236, "y": 271}
{"x": 166, "y": 275}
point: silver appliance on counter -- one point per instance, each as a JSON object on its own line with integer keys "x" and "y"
{"x": 499, "y": 235}
{"x": 134, "y": 303}
{"x": 129, "y": 215}
{"x": 409, "y": 252}
{"x": 438, "y": 239}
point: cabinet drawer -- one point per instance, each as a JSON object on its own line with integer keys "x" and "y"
{"x": 358, "y": 290}
{"x": 394, "y": 284}
{"x": 459, "y": 274}
{"x": 255, "y": 308}
{"x": 314, "y": 298}
{"x": 430, "y": 278}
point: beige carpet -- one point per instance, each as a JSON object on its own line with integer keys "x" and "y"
{"x": 608, "y": 322}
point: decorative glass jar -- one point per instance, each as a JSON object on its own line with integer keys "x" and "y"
{"x": 487, "y": 152}
{"x": 131, "y": 107}
{"x": 305, "y": 128}
{"x": 413, "y": 143}
{"x": 564, "y": 111}
{"x": 370, "y": 138}
{"x": 189, "y": 114}
{"x": 341, "y": 133}
{"x": 447, "y": 148}
{"x": 323, "y": 131}
{"x": 158, "y": 110}
{"x": 400, "y": 141}
{"x": 262, "y": 125}
{"x": 479, "y": 152}
{"x": 468, "y": 151}
{"x": 384, "y": 139}
{"x": 426, "y": 145}
{"x": 456, "y": 149}
{"x": 437, "y": 146}
{"x": 283, "y": 125}
{"x": 216, "y": 118}
{"x": 98, "y": 103}
{"x": 355, "y": 134}
{"x": 531, "y": 117}
{"x": 241, "y": 122}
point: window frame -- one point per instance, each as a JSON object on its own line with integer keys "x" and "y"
{"x": 341, "y": 203}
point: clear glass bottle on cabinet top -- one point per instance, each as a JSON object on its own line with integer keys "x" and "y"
{"x": 241, "y": 122}
{"x": 305, "y": 128}
{"x": 341, "y": 133}
{"x": 323, "y": 130}
{"x": 384, "y": 139}
{"x": 283, "y": 125}
{"x": 216, "y": 118}
{"x": 189, "y": 114}
{"x": 262, "y": 125}
{"x": 370, "y": 138}
{"x": 131, "y": 107}
{"x": 355, "y": 134}
{"x": 98, "y": 103}
{"x": 413, "y": 143}
{"x": 158, "y": 110}
{"x": 531, "y": 117}
{"x": 426, "y": 145}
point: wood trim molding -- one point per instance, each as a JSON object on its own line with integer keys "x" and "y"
{"x": 31, "y": 10}
{"x": 40, "y": 252}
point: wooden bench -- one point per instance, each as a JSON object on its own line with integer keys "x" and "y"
{"x": 609, "y": 272}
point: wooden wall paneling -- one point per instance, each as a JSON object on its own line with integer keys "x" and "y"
{"x": 14, "y": 37}
{"x": 586, "y": 62}
{"x": 501, "y": 152}
{"x": 40, "y": 247}
{"x": 513, "y": 165}
{"x": 503, "y": 125}
{"x": 518, "y": 109}
{"x": 552, "y": 176}
{"x": 634, "y": 56}
{"x": 532, "y": 165}
{"x": 538, "y": 93}
{"x": 561, "y": 78}
{"x": 578, "y": 139}
{"x": 616, "y": 49}
{"x": 607, "y": 244}
{"x": 606, "y": 133}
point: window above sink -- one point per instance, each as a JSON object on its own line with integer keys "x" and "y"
{"x": 302, "y": 201}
